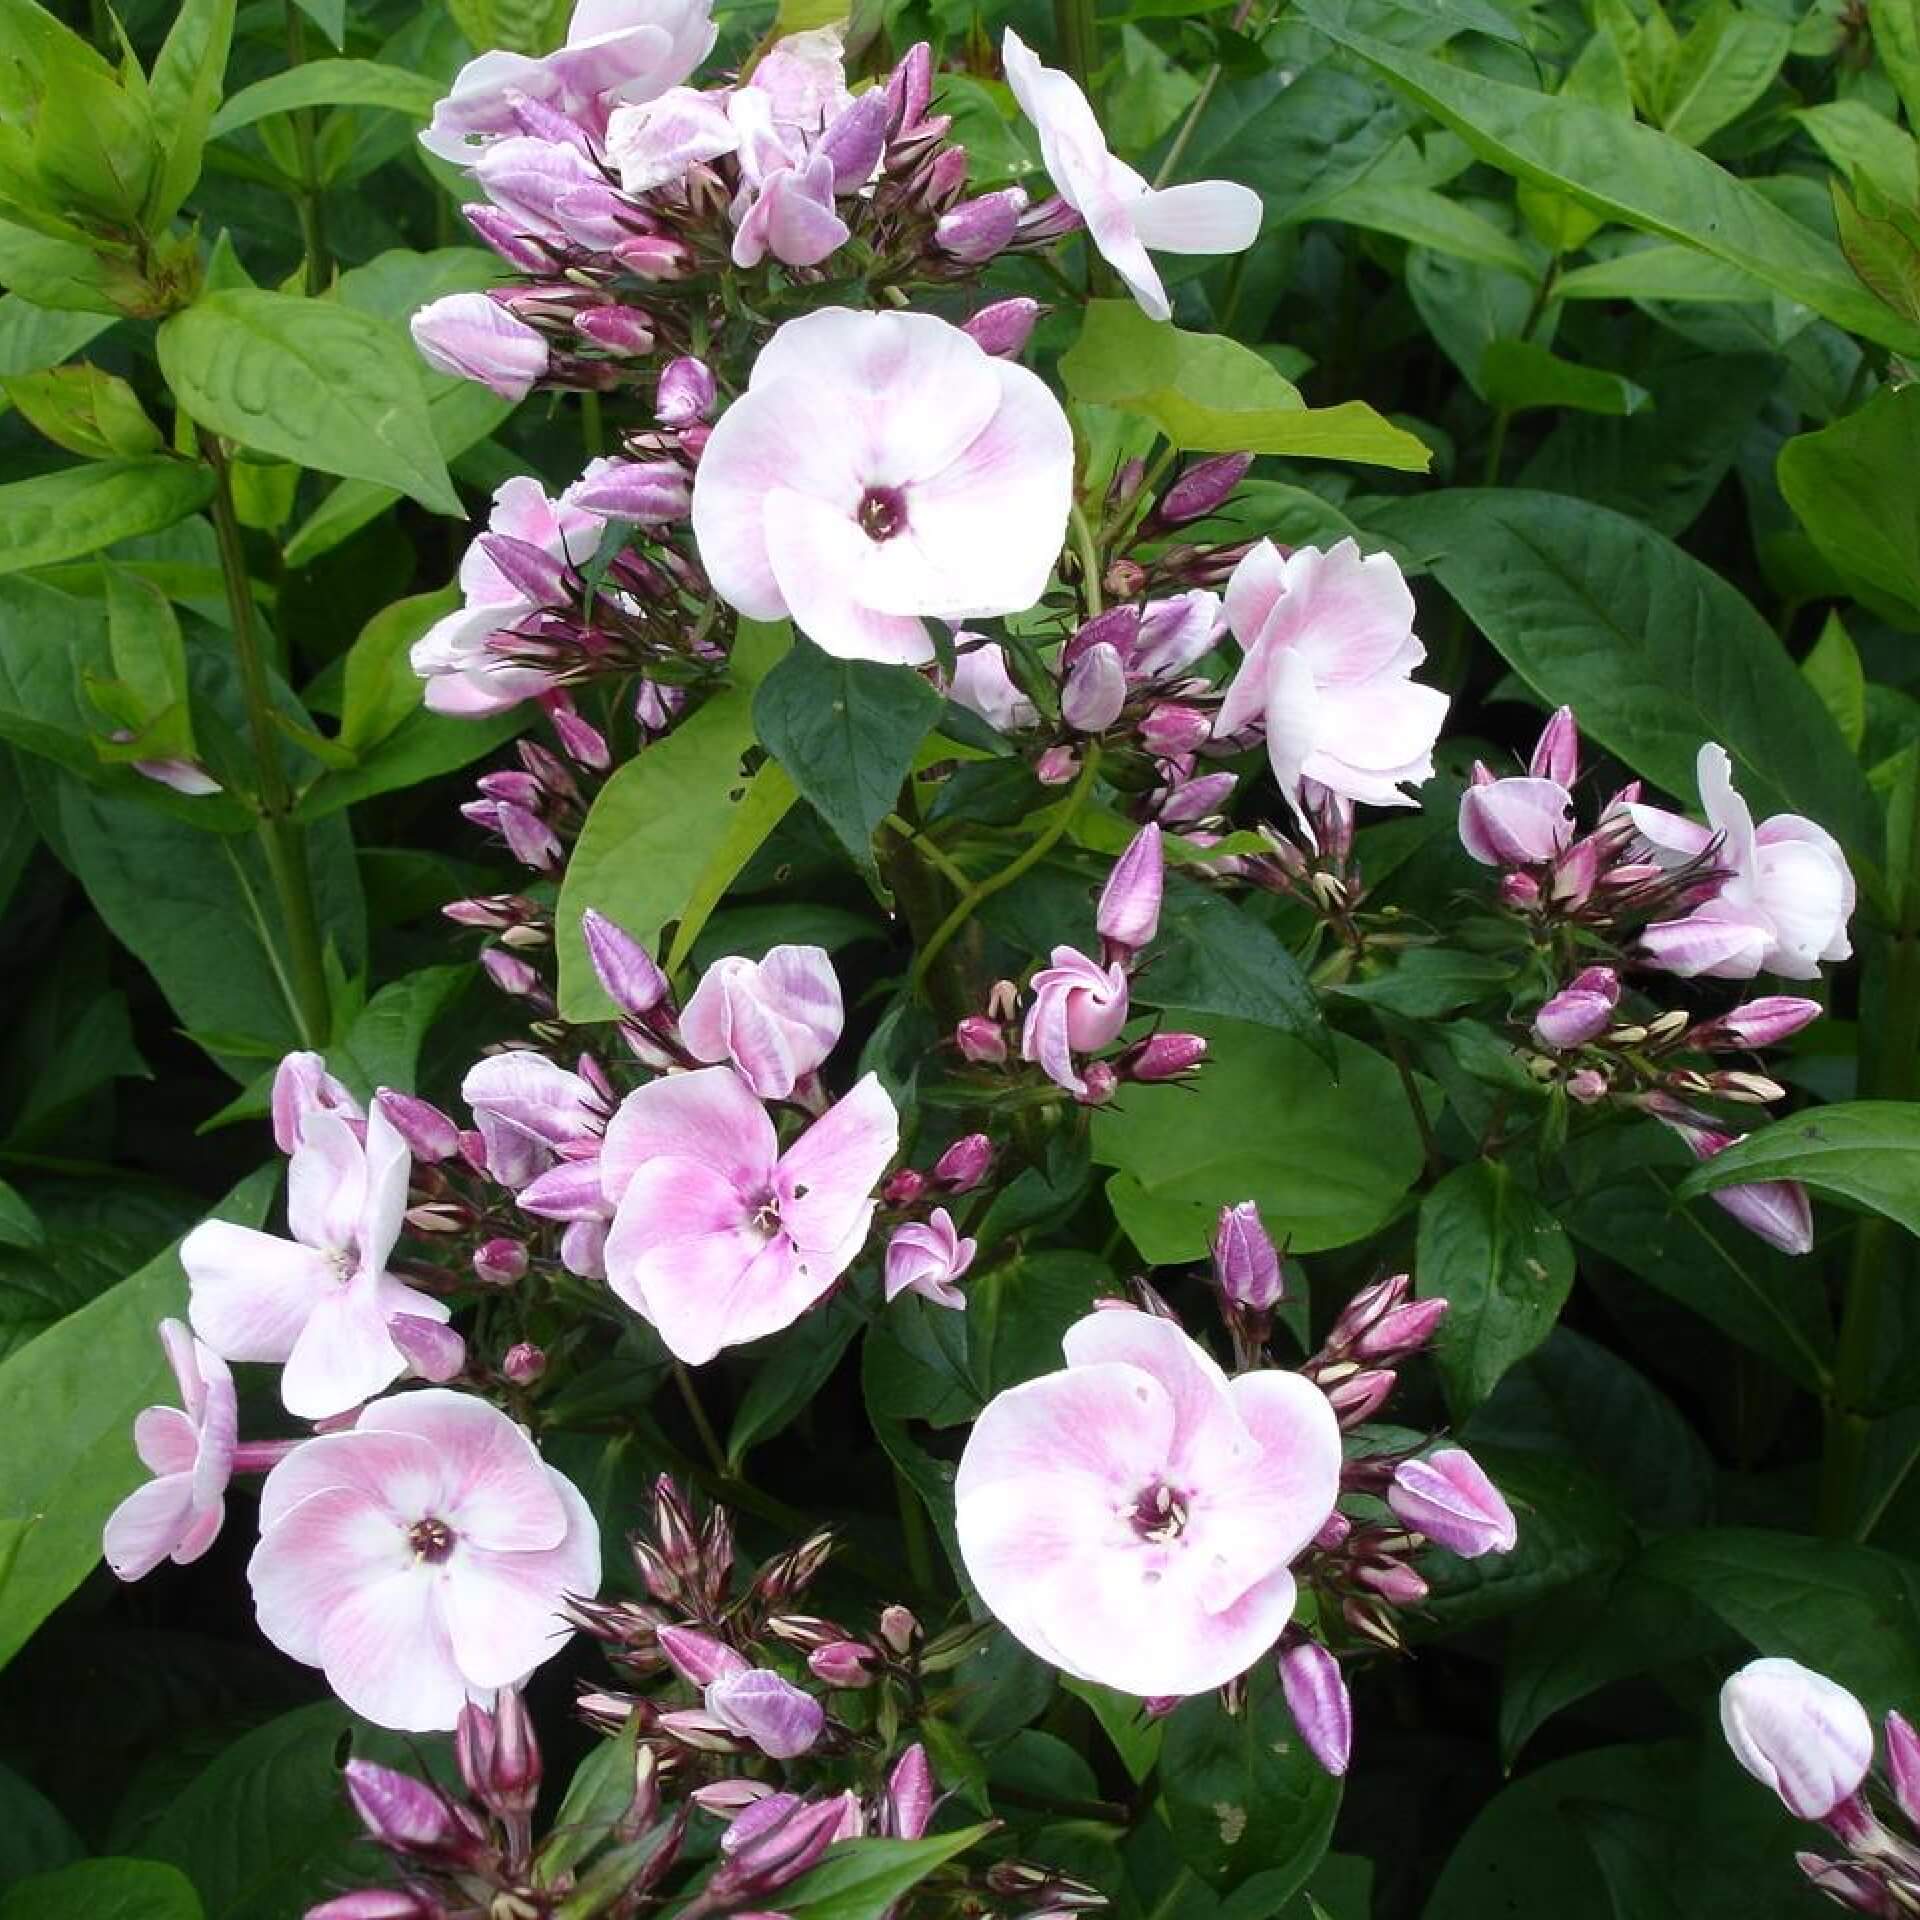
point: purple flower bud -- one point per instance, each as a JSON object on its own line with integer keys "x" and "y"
{"x": 898, "y": 1628}
{"x": 1163, "y": 1056}
{"x": 1587, "y": 1086}
{"x": 1402, "y": 1330}
{"x": 730, "y": 1796}
{"x": 625, "y": 331}
{"x": 1849, "y": 1884}
{"x": 376, "y": 1903}
{"x": 529, "y": 839}
{"x": 1056, "y": 766}
{"x": 1196, "y": 799}
{"x": 1903, "y": 1764}
{"x": 1101, "y": 1083}
{"x": 1004, "y": 328}
{"x": 786, "y": 1837}
{"x": 434, "y": 1351}
{"x": 854, "y": 141}
{"x": 646, "y": 490}
{"x": 1128, "y": 915}
{"x": 523, "y": 1363}
{"x": 910, "y": 1792}
{"x": 1117, "y": 627}
{"x": 1580, "y": 1011}
{"x": 1777, "y": 1210}
{"x": 774, "y": 1714}
{"x": 685, "y": 393}
{"x": 1316, "y": 1694}
{"x": 406, "y": 1815}
{"x": 1557, "y": 755}
{"x": 475, "y": 338}
{"x": 1394, "y": 1582}
{"x": 698, "y": 1657}
{"x": 977, "y": 229}
{"x": 504, "y": 235}
{"x": 842, "y": 1663}
{"x": 510, "y": 973}
{"x": 1448, "y": 1498}
{"x": 631, "y": 976}
{"x": 1798, "y": 1732}
{"x": 945, "y": 177}
{"x": 1171, "y": 728}
{"x": 903, "y": 1188}
{"x": 1520, "y": 891}
{"x": 1334, "y": 1532}
{"x": 1049, "y": 220}
{"x": 530, "y": 571}
{"x": 523, "y": 789}
{"x": 500, "y": 1262}
{"x": 1759, "y": 1023}
{"x": 582, "y": 741}
{"x": 504, "y": 1756}
{"x": 1246, "y": 1265}
{"x": 302, "y": 1085}
{"x": 1095, "y": 690}
{"x": 1203, "y": 489}
{"x": 1359, "y": 1396}
{"x": 964, "y": 1164}
{"x": 910, "y": 87}
{"x": 980, "y": 1040}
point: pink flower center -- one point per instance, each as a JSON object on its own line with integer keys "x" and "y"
{"x": 882, "y": 512}
{"x": 431, "y": 1540}
{"x": 1159, "y": 1513}
{"x": 766, "y": 1216}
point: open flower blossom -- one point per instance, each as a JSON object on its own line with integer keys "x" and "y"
{"x": 1784, "y": 903}
{"x": 718, "y": 1237}
{"x": 1124, "y": 215}
{"x": 1329, "y": 653}
{"x": 617, "y": 51}
{"x": 1078, "y": 1007}
{"x": 1132, "y": 1519}
{"x": 782, "y": 1720}
{"x": 321, "y": 1302}
{"x": 532, "y": 1113}
{"x": 927, "y": 1257}
{"x": 1798, "y": 1732}
{"x": 774, "y": 1020}
{"x": 881, "y": 470}
{"x": 189, "y": 1450}
{"x": 420, "y": 1558}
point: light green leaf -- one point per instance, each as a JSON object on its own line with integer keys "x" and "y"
{"x": 34, "y": 338}
{"x": 1895, "y": 26}
{"x": 1864, "y": 1151}
{"x": 769, "y": 794}
{"x": 1630, "y": 173}
{"x": 1881, "y": 239}
{"x": 1659, "y": 270}
{"x": 186, "y": 81}
{"x": 1210, "y": 394}
{"x": 1726, "y": 62}
{"x": 1833, "y": 671}
{"x": 86, "y": 410}
{"x": 55, "y": 273}
{"x": 1427, "y": 219}
{"x": 329, "y": 83}
{"x": 103, "y": 1890}
{"x": 1516, "y": 374}
{"x": 519, "y": 26}
{"x": 382, "y": 688}
{"x": 312, "y": 381}
{"x": 59, "y": 516}
{"x": 861, "y": 1879}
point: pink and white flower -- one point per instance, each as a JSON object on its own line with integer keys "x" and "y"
{"x": 927, "y": 1257}
{"x": 983, "y": 684}
{"x": 1329, "y": 654}
{"x": 421, "y": 1558}
{"x": 1124, "y": 215}
{"x": 1798, "y": 1732}
{"x": 718, "y": 1237}
{"x": 474, "y": 338}
{"x": 532, "y": 1113}
{"x": 774, "y": 1020}
{"x": 320, "y": 1302}
{"x": 617, "y": 52}
{"x": 1078, "y": 1007}
{"x": 302, "y": 1085}
{"x": 189, "y": 1450}
{"x": 879, "y": 471}
{"x": 1786, "y": 899}
{"x": 1132, "y": 1519}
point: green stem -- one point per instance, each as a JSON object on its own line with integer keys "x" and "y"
{"x": 1081, "y": 534}
{"x": 983, "y": 890}
{"x": 1079, "y": 37}
{"x": 313, "y": 218}
{"x": 913, "y": 1525}
{"x": 1209, "y": 80}
{"x": 282, "y": 841}
{"x": 934, "y": 855}
{"x": 709, "y": 1440}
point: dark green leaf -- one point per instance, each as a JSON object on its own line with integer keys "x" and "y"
{"x": 1517, "y": 374}
{"x": 103, "y": 1890}
{"x": 1867, "y": 1152}
{"x": 861, "y": 1879}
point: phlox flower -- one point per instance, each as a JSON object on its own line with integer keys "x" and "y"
{"x": 1329, "y": 652}
{"x": 319, "y": 1302}
{"x": 1798, "y": 1732}
{"x": 1124, "y": 215}
{"x": 718, "y": 1236}
{"x": 1078, "y": 1007}
{"x": 189, "y": 1450}
{"x": 879, "y": 471}
{"x": 774, "y": 1020}
{"x": 1784, "y": 904}
{"x": 928, "y": 1257}
{"x": 421, "y": 1558}
{"x": 1132, "y": 1518}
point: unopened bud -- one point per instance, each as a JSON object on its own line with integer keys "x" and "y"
{"x": 1557, "y": 756}
{"x": 685, "y": 393}
{"x": 1359, "y": 1396}
{"x": 1004, "y": 328}
{"x": 1101, "y": 1082}
{"x": 1449, "y": 1498}
{"x": 1171, "y": 729}
{"x": 433, "y": 1350}
{"x": 511, "y": 974}
{"x": 500, "y": 1262}
{"x": 523, "y": 1363}
{"x": 630, "y": 974}
{"x": 1203, "y": 489}
{"x": 1759, "y": 1023}
{"x": 1246, "y": 1265}
{"x": 903, "y": 1188}
{"x": 651, "y": 491}
{"x": 964, "y": 1164}
{"x": 910, "y": 1794}
{"x": 622, "y": 330}
{"x": 899, "y": 1629}
{"x": 1403, "y": 1330}
{"x": 429, "y": 1135}
{"x": 1396, "y": 1584}
{"x": 407, "y": 1816}
{"x": 1316, "y": 1694}
{"x": 1095, "y": 690}
{"x": 977, "y": 229}
{"x": 580, "y": 739}
{"x": 980, "y": 1040}
{"x": 1056, "y": 766}
{"x": 842, "y": 1663}
{"x": 1163, "y": 1056}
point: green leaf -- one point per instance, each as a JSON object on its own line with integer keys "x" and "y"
{"x": 1850, "y": 485}
{"x": 1630, "y": 173}
{"x": 1881, "y": 240}
{"x": 764, "y": 805}
{"x": 186, "y": 82}
{"x": 89, "y": 412}
{"x": 19, "y": 1224}
{"x": 311, "y": 381}
{"x": 382, "y": 1047}
{"x": 1517, "y": 374}
{"x": 381, "y": 688}
{"x": 1726, "y": 62}
{"x": 1427, "y": 981}
{"x": 58, "y": 516}
{"x": 519, "y": 26}
{"x": 1896, "y": 39}
{"x": 1857, "y": 140}
{"x": 35, "y": 338}
{"x": 54, "y": 273}
{"x": 34, "y": 1834}
{"x": 1328, "y": 1161}
{"x": 1242, "y": 1793}
{"x": 847, "y": 732}
{"x": 861, "y": 1879}
{"x": 103, "y": 1890}
{"x": 85, "y": 1379}
{"x": 1654, "y": 651}
{"x": 1832, "y": 669}
{"x": 329, "y": 83}
{"x": 600, "y": 1791}
{"x": 1135, "y": 1734}
{"x": 1210, "y": 394}
{"x": 797, "y": 1366}
{"x": 1500, "y": 1261}
{"x": 1655, "y": 270}
{"x": 656, "y": 826}
{"x": 1866, "y": 1152}
{"x": 1428, "y": 219}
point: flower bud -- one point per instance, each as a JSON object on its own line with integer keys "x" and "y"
{"x": 1128, "y": 915}
{"x": 698, "y": 1657}
{"x": 1587, "y": 1086}
{"x": 1759, "y": 1023}
{"x": 580, "y": 739}
{"x": 981, "y": 1040}
{"x": 1246, "y": 1265}
{"x": 302, "y": 1085}
{"x": 854, "y": 140}
{"x": 685, "y": 394}
{"x": 842, "y": 1663}
{"x": 786, "y": 1836}
{"x": 910, "y": 1794}
{"x": 407, "y": 1816}
{"x": 500, "y": 1262}
{"x": 899, "y": 1629}
{"x": 645, "y": 490}
{"x": 1202, "y": 489}
{"x": 511, "y": 974}
{"x": 1170, "y": 729}
{"x": 1400, "y": 1331}
{"x": 1520, "y": 891}
{"x": 1580, "y": 1011}
{"x": 520, "y": 250}
{"x": 1095, "y": 690}
{"x": 1448, "y": 1498}
{"x": 1515, "y": 822}
{"x": 1903, "y": 1764}
{"x": 910, "y": 87}
{"x": 1316, "y": 1694}
{"x": 903, "y": 1188}
{"x": 1850, "y": 1885}
{"x": 964, "y": 1164}
{"x": 523, "y": 1363}
{"x": 773, "y": 1713}
{"x": 376, "y": 1903}
{"x": 1334, "y": 1533}
{"x": 1118, "y": 627}
{"x": 625, "y": 331}
{"x": 1397, "y": 1584}
{"x": 1556, "y": 757}
{"x": 1163, "y": 1056}
{"x": 1056, "y": 766}
{"x": 1797, "y": 1732}
{"x": 631, "y": 976}
{"x": 729, "y": 1796}
{"x": 474, "y": 338}
{"x": 433, "y": 1350}
{"x": 1101, "y": 1083}
{"x": 977, "y": 229}
{"x": 1359, "y": 1396}
{"x": 1004, "y": 328}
